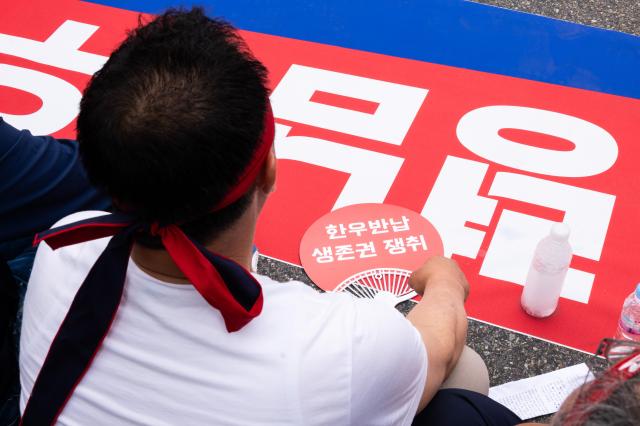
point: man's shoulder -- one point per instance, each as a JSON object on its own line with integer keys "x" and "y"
{"x": 299, "y": 303}
{"x": 358, "y": 345}
{"x": 361, "y": 321}
{"x": 307, "y": 300}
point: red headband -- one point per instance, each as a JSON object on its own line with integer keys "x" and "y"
{"x": 249, "y": 175}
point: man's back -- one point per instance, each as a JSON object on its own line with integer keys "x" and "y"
{"x": 168, "y": 359}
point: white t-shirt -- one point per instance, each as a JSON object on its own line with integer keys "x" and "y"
{"x": 308, "y": 359}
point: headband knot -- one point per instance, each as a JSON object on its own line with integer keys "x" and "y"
{"x": 154, "y": 229}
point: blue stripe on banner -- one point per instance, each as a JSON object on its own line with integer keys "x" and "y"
{"x": 456, "y": 33}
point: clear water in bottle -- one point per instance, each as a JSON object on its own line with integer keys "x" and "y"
{"x": 629, "y": 323}
{"x": 254, "y": 259}
{"x": 547, "y": 273}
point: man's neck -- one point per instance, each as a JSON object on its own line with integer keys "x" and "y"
{"x": 235, "y": 243}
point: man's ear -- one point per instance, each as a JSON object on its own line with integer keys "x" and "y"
{"x": 267, "y": 180}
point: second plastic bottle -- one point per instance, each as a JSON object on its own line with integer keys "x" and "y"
{"x": 547, "y": 273}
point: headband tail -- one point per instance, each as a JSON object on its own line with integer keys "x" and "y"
{"x": 81, "y": 333}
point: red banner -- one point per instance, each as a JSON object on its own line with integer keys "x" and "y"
{"x": 489, "y": 160}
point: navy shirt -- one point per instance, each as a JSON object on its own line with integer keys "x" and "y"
{"x": 41, "y": 181}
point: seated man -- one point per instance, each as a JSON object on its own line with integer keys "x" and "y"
{"x": 162, "y": 323}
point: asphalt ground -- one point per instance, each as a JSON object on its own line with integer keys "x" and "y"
{"x": 510, "y": 355}
{"x": 617, "y": 15}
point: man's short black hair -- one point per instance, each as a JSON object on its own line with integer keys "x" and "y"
{"x": 172, "y": 119}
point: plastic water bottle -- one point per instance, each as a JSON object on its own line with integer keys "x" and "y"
{"x": 254, "y": 259}
{"x": 629, "y": 324}
{"x": 547, "y": 273}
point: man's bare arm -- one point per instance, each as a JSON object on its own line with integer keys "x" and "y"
{"x": 440, "y": 318}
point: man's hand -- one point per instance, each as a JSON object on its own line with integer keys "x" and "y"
{"x": 438, "y": 270}
{"x": 440, "y": 318}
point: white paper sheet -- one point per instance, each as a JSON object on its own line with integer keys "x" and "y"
{"x": 540, "y": 395}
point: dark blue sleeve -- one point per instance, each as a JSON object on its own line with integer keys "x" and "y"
{"x": 41, "y": 181}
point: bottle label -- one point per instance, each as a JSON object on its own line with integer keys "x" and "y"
{"x": 549, "y": 267}
{"x": 629, "y": 325}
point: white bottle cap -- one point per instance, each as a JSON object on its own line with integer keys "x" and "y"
{"x": 560, "y": 231}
